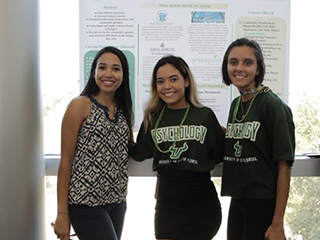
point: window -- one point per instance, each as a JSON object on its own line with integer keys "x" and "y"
{"x": 60, "y": 83}
{"x": 301, "y": 217}
{"x": 304, "y": 97}
{"x": 59, "y": 65}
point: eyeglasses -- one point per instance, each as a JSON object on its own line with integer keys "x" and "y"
{"x": 70, "y": 236}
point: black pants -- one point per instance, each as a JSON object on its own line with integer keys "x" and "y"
{"x": 249, "y": 218}
{"x": 98, "y": 223}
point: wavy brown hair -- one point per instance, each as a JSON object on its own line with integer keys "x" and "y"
{"x": 156, "y": 103}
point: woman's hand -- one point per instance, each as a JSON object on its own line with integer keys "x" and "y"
{"x": 62, "y": 226}
{"x": 275, "y": 232}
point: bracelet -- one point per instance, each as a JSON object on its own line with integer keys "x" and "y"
{"x": 62, "y": 212}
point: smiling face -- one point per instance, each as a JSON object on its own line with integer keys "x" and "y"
{"x": 171, "y": 86}
{"x": 242, "y": 67}
{"x": 108, "y": 73}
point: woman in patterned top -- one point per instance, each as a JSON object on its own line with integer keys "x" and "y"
{"x": 96, "y": 135}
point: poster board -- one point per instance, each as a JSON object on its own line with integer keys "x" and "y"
{"x": 197, "y": 31}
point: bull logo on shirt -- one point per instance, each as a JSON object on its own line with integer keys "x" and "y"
{"x": 176, "y": 152}
{"x": 238, "y": 149}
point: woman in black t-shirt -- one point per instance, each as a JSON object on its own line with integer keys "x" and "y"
{"x": 259, "y": 148}
{"x": 186, "y": 142}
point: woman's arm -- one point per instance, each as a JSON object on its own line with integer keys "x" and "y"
{"x": 224, "y": 129}
{"x": 276, "y": 230}
{"x": 143, "y": 147}
{"x": 74, "y": 117}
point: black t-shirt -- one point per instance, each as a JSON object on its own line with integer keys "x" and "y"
{"x": 254, "y": 147}
{"x": 199, "y": 147}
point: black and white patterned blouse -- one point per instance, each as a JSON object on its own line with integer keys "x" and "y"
{"x": 99, "y": 172}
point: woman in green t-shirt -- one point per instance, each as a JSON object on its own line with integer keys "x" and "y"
{"x": 259, "y": 148}
{"x": 185, "y": 141}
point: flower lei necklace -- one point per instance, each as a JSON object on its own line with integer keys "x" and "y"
{"x": 245, "y": 115}
{"x": 176, "y": 136}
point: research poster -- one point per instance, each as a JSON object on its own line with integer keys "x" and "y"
{"x": 197, "y": 31}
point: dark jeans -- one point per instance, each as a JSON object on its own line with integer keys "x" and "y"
{"x": 249, "y": 218}
{"x": 98, "y": 223}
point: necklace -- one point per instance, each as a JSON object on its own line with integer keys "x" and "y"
{"x": 245, "y": 115}
{"x": 178, "y": 133}
{"x": 247, "y": 92}
{"x": 242, "y": 109}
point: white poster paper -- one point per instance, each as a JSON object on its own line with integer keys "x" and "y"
{"x": 197, "y": 31}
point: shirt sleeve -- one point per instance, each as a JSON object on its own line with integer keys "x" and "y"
{"x": 216, "y": 139}
{"x": 282, "y": 133}
{"x": 143, "y": 148}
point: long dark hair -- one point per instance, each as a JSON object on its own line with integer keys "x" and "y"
{"x": 257, "y": 52}
{"x": 123, "y": 94}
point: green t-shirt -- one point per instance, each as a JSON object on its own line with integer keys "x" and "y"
{"x": 254, "y": 146}
{"x": 198, "y": 148}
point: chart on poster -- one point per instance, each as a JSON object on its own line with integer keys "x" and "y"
{"x": 197, "y": 31}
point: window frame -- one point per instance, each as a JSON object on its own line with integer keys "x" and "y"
{"x": 303, "y": 166}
